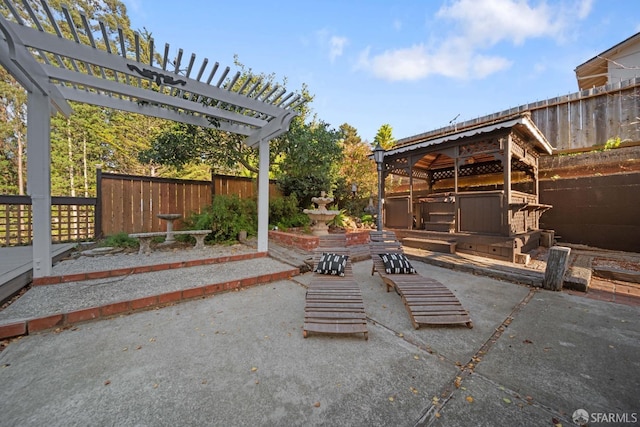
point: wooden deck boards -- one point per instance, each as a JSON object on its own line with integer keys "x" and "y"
{"x": 334, "y": 304}
{"x": 428, "y": 302}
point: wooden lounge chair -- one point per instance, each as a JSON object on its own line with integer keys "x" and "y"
{"x": 333, "y": 303}
{"x": 427, "y": 301}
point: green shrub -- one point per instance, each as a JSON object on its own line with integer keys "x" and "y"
{"x": 120, "y": 240}
{"x": 367, "y": 219}
{"x": 285, "y": 213}
{"x": 338, "y": 220}
{"x": 226, "y": 217}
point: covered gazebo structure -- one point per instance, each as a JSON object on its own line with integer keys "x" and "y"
{"x": 471, "y": 190}
{"x": 63, "y": 55}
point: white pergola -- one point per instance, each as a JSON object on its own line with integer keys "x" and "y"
{"x": 92, "y": 68}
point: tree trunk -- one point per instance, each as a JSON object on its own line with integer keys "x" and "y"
{"x": 72, "y": 192}
{"x": 20, "y": 164}
{"x": 85, "y": 172}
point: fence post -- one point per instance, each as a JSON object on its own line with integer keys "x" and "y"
{"x": 557, "y": 264}
{"x": 97, "y": 219}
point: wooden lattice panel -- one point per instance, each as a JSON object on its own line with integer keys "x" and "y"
{"x": 483, "y": 146}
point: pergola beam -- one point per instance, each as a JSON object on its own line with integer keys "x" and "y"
{"x": 147, "y": 95}
{"x": 99, "y": 99}
{"x": 26, "y": 70}
{"x": 96, "y": 57}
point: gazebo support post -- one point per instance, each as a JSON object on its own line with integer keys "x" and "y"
{"x": 263, "y": 197}
{"x": 39, "y": 180}
{"x": 506, "y": 165}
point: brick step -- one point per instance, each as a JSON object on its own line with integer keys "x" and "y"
{"x": 445, "y": 246}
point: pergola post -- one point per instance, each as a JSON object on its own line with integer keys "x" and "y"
{"x": 263, "y": 197}
{"x": 39, "y": 180}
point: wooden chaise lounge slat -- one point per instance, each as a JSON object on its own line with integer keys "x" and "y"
{"x": 427, "y": 301}
{"x": 333, "y": 304}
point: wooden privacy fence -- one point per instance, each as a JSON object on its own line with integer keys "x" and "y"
{"x": 130, "y": 204}
{"x": 577, "y": 121}
{"x": 124, "y": 203}
{"x": 72, "y": 219}
{"x": 244, "y": 187}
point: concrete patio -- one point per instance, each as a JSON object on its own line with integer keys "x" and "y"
{"x": 239, "y": 358}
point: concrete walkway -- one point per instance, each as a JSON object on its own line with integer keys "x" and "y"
{"x": 533, "y": 358}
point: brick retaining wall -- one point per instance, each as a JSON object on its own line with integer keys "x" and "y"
{"x": 308, "y": 242}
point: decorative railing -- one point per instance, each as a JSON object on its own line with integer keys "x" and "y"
{"x": 72, "y": 219}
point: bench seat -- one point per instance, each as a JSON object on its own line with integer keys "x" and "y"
{"x": 145, "y": 238}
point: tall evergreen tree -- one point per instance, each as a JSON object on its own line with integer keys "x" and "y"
{"x": 12, "y": 135}
{"x": 384, "y": 137}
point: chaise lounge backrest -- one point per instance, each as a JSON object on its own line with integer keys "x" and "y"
{"x": 335, "y": 244}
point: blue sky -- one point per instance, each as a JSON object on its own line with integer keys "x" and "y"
{"x": 415, "y": 65}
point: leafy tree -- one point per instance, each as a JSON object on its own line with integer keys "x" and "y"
{"x": 179, "y": 145}
{"x": 309, "y": 161}
{"x": 357, "y": 168}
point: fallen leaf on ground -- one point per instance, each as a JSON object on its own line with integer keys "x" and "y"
{"x": 317, "y": 404}
{"x": 469, "y": 399}
{"x": 457, "y": 382}
{"x": 391, "y": 399}
{"x": 254, "y": 369}
{"x": 506, "y": 400}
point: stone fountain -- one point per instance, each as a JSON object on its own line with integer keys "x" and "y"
{"x": 321, "y": 215}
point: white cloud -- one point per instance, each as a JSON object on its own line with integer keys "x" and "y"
{"x": 336, "y": 47}
{"x": 584, "y": 8}
{"x": 333, "y": 45}
{"x": 473, "y": 28}
{"x": 487, "y": 22}
{"x": 453, "y": 59}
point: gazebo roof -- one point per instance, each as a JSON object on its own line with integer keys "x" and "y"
{"x": 85, "y": 63}
{"x": 436, "y": 151}
{"x": 522, "y": 122}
